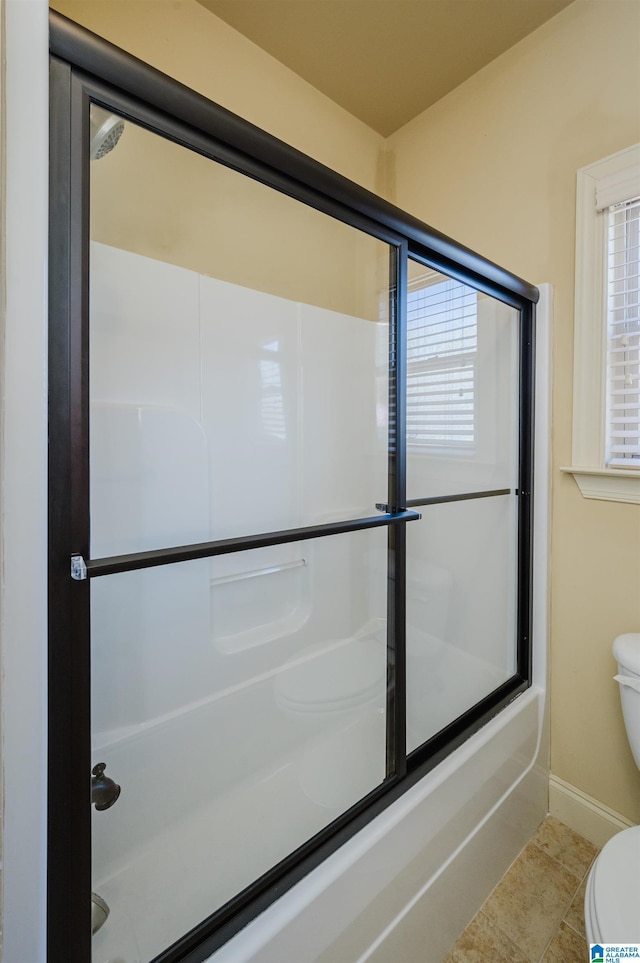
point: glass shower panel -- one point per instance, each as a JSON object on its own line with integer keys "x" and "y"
{"x": 461, "y": 609}
{"x": 235, "y": 374}
{"x": 240, "y": 704}
{"x": 462, "y": 388}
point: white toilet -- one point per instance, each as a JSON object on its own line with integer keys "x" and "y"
{"x": 612, "y": 899}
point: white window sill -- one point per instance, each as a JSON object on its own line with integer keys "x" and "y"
{"x": 608, "y": 484}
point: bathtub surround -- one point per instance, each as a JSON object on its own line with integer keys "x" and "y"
{"x": 171, "y": 350}
{"x": 256, "y": 365}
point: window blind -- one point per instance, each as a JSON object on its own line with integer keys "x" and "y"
{"x": 441, "y": 357}
{"x": 623, "y": 335}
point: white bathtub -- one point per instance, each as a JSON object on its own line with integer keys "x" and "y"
{"x": 163, "y": 857}
{"x": 414, "y": 877}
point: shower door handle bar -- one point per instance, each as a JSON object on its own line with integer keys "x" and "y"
{"x": 244, "y": 543}
{"x": 464, "y": 496}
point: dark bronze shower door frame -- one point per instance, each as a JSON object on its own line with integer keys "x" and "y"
{"x": 85, "y": 70}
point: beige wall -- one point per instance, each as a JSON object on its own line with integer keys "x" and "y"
{"x": 158, "y": 199}
{"x": 184, "y": 40}
{"x": 494, "y": 165}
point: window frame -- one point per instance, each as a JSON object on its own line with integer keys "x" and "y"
{"x": 593, "y": 476}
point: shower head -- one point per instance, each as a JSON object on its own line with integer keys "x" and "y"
{"x": 106, "y": 131}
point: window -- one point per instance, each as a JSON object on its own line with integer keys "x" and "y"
{"x": 606, "y": 391}
{"x": 442, "y": 341}
{"x": 623, "y": 335}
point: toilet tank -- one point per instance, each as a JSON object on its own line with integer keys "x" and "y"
{"x": 626, "y": 651}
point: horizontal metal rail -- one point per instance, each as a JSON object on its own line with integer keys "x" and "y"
{"x": 462, "y": 497}
{"x": 245, "y": 543}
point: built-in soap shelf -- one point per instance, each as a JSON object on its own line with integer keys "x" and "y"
{"x": 258, "y": 604}
{"x": 253, "y": 604}
{"x": 256, "y": 572}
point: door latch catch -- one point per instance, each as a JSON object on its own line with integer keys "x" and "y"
{"x": 78, "y": 568}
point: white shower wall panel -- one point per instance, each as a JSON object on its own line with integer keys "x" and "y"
{"x": 298, "y": 383}
{"x": 143, "y": 458}
{"x": 285, "y": 392}
{"x": 474, "y": 542}
{"x": 345, "y": 455}
{"x": 218, "y": 411}
{"x": 251, "y": 408}
{"x": 144, "y": 331}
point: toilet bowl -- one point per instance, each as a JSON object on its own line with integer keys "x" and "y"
{"x": 612, "y": 897}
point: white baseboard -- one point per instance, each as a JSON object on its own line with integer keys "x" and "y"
{"x": 584, "y": 814}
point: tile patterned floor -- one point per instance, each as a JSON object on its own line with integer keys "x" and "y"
{"x": 535, "y": 914}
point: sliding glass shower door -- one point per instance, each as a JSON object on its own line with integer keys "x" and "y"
{"x": 290, "y": 509}
{"x": 462, "y": 475}
{"x": 239, "y": 387}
